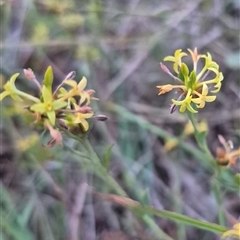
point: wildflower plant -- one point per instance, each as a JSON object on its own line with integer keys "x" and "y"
{"x": 67, "y": 107}
{"x": 195, "y": 88}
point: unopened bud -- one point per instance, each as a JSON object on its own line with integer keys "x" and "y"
{"x": 164, "y": 68}
{"x": 173, "y": 108}
{"x": 56, "y": 138}
{"x": 101, "y": 118}
{"x": 29, "y": 74}
{"x": 70, "y": 75}
{"x": 90, "y": 91}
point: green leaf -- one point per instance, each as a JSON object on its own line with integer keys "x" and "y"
{"x": 201, "y": 136}
{"x": 47, "y": 94}
{"x": 212, "y": 227}
{"x": 184, "y": 69}
{"x": 192, "y": 79}
{"x": 107, "y": 157}
{"x": 48, "y": 78}
{"x": 52, "y": 117}
{"x": 25, "y": 215}
{"x": 14, "y": 230}
{"x": 45, "y": 137}
{"x": 181, "y": 76}
{"x": 237, "y": 179}
{"x": 144, "y": 196}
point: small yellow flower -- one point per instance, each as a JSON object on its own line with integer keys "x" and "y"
{"x": 193, "y": 85}
{"x": 203, "y": 97}
{"x": 186, "y": 103}
{"x": 234, "y": 232}
{"x": 65, "y": 108}
{"x": 177, "y": 59}
{"x": 78, "y": 89}
{"x": 80, "y": 117}
{"x": 49, "y": 105}
{"x": 10, "y": 89}
{"x": 13, "y": 92}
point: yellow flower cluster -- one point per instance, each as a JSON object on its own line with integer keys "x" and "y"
{"x": 193, "y": 85}
{"x": 68, "y": 106}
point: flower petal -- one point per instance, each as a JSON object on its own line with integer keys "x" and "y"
{"x": 88, "y": 115}
{"x": 191, "y": 109}
{"x": 84, "y": 96}
{"x": 38, "y": 107}
{"x": 82, "y": 84}
{"x": 58, "y": 104}
{"x": 13, "y": 78}
{"x": 210, "y": 98}
{"x": 3, "y": 95}
{"x": 218, "y": 87}
{"x": 85, "y": 125}
{"x": 47, "y": 95}
{"x": 71, "y": 83}
{"x": 52, "y": 117}
{"x": 170, "y": 59}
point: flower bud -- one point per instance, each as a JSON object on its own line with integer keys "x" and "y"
{"x": 29, "y": 74}
{"x": 85, "y": 109}
{"x": 101, "y": 118}
{"x": 70, "y": 75}
{"x": 56, "y": 138}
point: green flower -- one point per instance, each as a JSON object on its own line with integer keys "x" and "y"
{"x": 13, "y": 92}
{"x": 49, "y": 105}
{"x": 10, "y": 89}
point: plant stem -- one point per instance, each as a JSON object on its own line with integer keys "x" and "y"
{"x": 202, "y": 141}
{"x": 144, "y": 212}
{"x": 28, "y": 96}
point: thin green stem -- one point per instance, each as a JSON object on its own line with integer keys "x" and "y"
{"x": 28, "y": 96}
{"x": 202, "y": 142}
{"x": 212, "y": 227}
{"x": 200, "y": 138}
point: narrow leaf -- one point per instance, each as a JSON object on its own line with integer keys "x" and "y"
{"x": 48, "y": 78}
{"x": 107, "y": 157}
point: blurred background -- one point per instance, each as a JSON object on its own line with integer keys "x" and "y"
{"x": 117, "y": 45}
